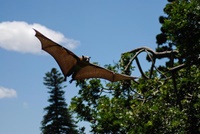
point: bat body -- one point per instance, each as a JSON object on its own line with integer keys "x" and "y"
{"x": 79, "y": 67}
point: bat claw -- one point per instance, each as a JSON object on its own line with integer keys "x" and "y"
{"x": 65, "y": 79}
{"x": 71, "y": 80}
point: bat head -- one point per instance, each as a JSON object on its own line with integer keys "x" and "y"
{"x": 85, "y": 58}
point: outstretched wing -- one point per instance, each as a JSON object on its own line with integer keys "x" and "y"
{"x": 94, "y": 71}
{"x": 66, "y": 59}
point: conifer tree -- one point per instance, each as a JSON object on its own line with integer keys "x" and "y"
{"x": 57, "y": 119}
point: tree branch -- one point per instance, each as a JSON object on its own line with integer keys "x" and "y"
{"x": 153, "y": 56}
{"x": 140, "y": 68}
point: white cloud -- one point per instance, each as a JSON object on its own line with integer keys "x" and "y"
{"x": 19, "y": 36}
{"x": 7, "y": 93}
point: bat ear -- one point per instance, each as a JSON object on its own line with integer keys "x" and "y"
{"x": 88, "y": 58}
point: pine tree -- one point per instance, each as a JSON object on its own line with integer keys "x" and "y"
{"x": 57, "y": 120}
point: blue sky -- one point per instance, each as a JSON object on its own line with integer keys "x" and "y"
{"x": 102, "y": 29}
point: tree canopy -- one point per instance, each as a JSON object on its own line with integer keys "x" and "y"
{"x": 166, "y": 99}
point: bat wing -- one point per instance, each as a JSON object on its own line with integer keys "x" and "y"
{"x": 94, "y": 71}
{"x": 66, "y": 59}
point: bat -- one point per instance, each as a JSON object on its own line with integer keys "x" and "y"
{"x": 79, "y": 67}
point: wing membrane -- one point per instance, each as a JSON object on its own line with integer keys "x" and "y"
{"x": 93, "y": 71}
{"x": 64, "y": 57}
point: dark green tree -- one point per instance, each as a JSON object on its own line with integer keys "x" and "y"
{"x": 57, "y": 119}
{"x": 166, "y": 99}
{"x": 180, "y": 30}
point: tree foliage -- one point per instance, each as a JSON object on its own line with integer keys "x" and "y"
{"x": 166, "y": 99}
{"x": 180, "y": 30}
{"x": 57, "y": 119}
